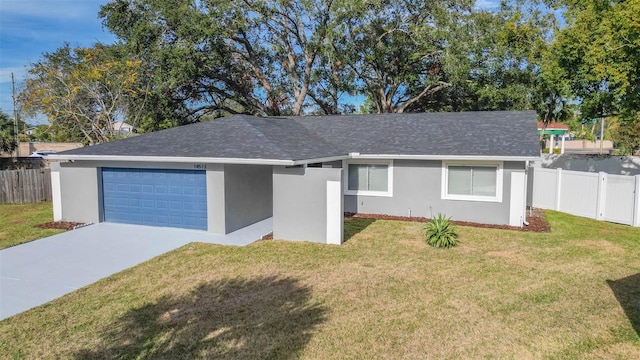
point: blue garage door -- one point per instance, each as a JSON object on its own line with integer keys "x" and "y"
{"x": 173, "y": 198}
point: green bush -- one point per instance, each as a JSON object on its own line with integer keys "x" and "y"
{"x": 555, "y": 151}
{"x": 440, "y": 232}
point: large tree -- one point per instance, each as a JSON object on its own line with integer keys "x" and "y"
{"x": 211, "y": 57}
{"x": 503, "y": 60}
{"x": 288, "y": 56}
{"x": 185, "y": 63}
{"x": 397, "y": 50}
{"x": 600, "y": 48}
{"x": 181, "y": 61}
{"x": 83, "y": 90}
{"x": 291, "y": 37}
{"x": 221, "y": 56}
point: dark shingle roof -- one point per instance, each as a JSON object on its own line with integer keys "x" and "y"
{"x": 240, "y": 137}
{"x": 500, "y": 133}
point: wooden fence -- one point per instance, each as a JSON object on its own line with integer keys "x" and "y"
{"x": 25, "y": 186}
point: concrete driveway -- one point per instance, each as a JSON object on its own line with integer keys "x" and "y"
{"x": 37, "y": 272}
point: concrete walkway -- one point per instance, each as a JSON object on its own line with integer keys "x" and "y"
{"x": 34, "y": 273}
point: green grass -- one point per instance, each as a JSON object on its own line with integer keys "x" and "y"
{"x": 17, "y": 223}
{"x": 572, "y": 293}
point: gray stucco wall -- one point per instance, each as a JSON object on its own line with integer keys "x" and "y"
{"x": 248, "y": 195}
{"x": 79, "y": 191}
{"x": 332, "y": 164}
{"x": 417, "y": 190}
{"x": 300, "y": 202}
{"x": 237, "y": 195}
{"x": 215, "y": 198}
{"x": 215, "y": 185}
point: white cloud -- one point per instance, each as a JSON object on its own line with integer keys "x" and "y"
{"x": 18, "y": 74}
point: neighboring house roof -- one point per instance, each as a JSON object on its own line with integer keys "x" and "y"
{"x": 553, "y": 128}
{"x": 121, "y": 126}
{"x": 292, "y": 140}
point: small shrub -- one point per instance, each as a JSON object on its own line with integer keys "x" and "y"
{"x": 555, "y": 151}
{"x": 440, "y": 232}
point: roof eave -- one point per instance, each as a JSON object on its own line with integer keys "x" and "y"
{"x": 321, "y": 160}
{"x": 280, "y": 162}
{"x": 172, "y": 159}
{"x": 442, "y": 157}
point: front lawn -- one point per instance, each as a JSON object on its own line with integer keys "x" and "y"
{"x": 17, "y": 223}
{"x": 572, "y": 293}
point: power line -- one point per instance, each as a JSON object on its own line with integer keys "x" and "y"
{"x": 15, "y": 116}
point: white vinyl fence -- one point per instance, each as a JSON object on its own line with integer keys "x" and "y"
{"x": 600, "y": 196}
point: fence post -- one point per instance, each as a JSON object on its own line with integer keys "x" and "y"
{"x": 636, "y": 203}
{"x": 602, "y": 195}
{"x": 558, "y": 187}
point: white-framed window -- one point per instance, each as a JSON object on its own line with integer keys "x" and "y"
{"x": 473, "y": 181}
{"x": 368, "y": 177}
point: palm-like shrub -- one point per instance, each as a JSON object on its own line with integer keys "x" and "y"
{"x": 440, "y": 232}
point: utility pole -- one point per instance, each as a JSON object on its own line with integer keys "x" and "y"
{"x": 16, "y": 128}
{"x": 601, "y": 133}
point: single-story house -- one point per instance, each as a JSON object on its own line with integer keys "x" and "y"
{"x": 304, "y": 172}
{"x": 122, "y": 127}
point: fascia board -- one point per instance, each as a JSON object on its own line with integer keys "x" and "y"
{"x": 319, "y": 160}
{"x": 442, "y": 157}
{"x": 174, "y": 159}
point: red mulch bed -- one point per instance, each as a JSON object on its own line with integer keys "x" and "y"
{"x": 537, "y": 223}
{"x": 63, "y": 225}
{"x": 536, "y": 220}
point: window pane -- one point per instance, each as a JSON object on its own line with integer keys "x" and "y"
{"x": 459, "y": 180}
{"x": 484, "y": 181}
{"x": 357, "y": 177}
{"x": 378, "y": 178}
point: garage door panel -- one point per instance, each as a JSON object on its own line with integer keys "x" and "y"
{"x": 190, "y": 206}
{"x": 175, "y": 198}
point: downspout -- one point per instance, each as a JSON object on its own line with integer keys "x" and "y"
{"x": 526, "y": 192}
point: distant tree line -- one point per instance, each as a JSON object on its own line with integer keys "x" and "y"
{"x": 183, "y": 61}
{"x": 7, "y": 133}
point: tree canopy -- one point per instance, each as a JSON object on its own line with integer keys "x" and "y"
{"x": 599, "y": 52}
{"x": 182, "y": 61}
{"x": 7, "y": 133}
{"x": 82, "y": 90}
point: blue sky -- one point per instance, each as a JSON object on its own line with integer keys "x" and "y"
{"x": 29, "y": 28}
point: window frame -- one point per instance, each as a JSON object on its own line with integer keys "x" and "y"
{"x": 388, "y": 163}
{"x": 498, "y": 165}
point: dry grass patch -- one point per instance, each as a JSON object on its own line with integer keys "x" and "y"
{"x": 604, "y": 246}
{"x": 383, "y": 294}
